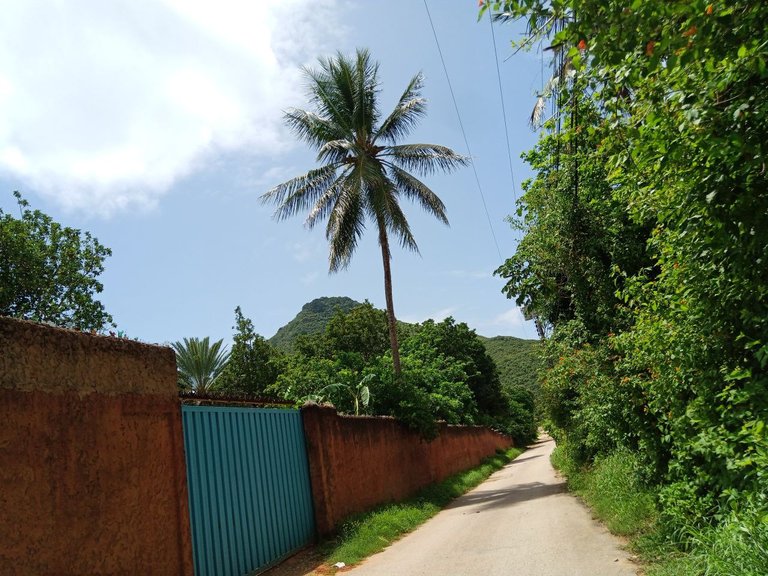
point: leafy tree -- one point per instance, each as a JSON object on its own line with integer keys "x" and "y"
{"x": 252, "y": 366}
{"x": 447, "y": 374}
{"x": 200, "y": 363}
{"x": 430, "y": 389}
{"x": 448, "y": 339}
{"x": 364, "y": 172}
{"x": 303, "y": 377}
{"x": 362, "y": 330}
{"x": 49, "y": 272}
{"x": 520, "y": 420}
{"x": 576, "y": 235}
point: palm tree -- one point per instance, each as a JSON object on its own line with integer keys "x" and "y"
{"x": 200, "y": 363}
{"x": 364, "y": 171}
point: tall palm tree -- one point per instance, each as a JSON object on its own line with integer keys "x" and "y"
{"x": 364, "y": 172}
{"x": 200, "y": 363}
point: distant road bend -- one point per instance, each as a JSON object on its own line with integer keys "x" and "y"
{"x": 521, "y": 521}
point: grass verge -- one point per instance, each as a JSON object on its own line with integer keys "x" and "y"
{"x": 371, "y": 532}
{"x": 737, "y": 545}
{"x": 611, "y": 489}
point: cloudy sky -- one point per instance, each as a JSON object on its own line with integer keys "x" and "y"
{"x": 156, "y": 125}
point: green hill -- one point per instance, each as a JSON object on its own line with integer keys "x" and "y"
{"x": 311, "y": 319}
{"x": 518, "y": 361}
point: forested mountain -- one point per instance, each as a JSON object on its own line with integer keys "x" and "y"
{"x": 312, "y": 319}
{"x": 518, "y": 361}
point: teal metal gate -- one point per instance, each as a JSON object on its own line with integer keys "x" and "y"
{"x": 249, "y": 493}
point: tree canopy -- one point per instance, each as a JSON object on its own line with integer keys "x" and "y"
{"x": 49, "y": 272}
{"x": 645, "y": 238}
{"x": 252, "y": 364}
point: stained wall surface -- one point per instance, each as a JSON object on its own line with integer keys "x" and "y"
{"x": 91, "y": 456}
{"x": 356, "y": 463}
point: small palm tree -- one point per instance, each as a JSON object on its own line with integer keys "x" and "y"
{"x": 200, "y": 363}
{"x": 364, "y": 171}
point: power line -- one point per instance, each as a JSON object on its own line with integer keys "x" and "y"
{"x": 537, "y": 322}
{"x": 463, "y": 132}
{"x": 503, "y": 108}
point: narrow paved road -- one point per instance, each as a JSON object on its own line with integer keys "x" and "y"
{"x": 520, "y": 522}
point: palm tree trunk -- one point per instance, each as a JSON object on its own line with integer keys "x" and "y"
{"x": 386, "y": 256}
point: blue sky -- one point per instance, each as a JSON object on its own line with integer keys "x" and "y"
{"x": 156, "y": 125}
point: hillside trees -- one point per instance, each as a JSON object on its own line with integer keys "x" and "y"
{"x": 311, "y": 319}
{"x": 49, "y": 272}
{"x": 446, "y": 374}
{"x": 653, "y": 276}
{"x": 518, "y": 361}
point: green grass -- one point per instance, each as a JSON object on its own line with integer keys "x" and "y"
{"x": 738, "y": 545}
{"x": 368, "y": 533}
{"x": 612, "y": 490}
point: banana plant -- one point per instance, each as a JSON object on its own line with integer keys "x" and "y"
{"x": 360, "y": 393}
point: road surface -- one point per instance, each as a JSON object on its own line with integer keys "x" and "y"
{"x": 521, "y": 521}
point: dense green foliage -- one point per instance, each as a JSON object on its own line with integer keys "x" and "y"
{"x": 612, "y": 489}
{"x": 646, "y": 234}
{"x": 253, "y": 363}
{"x": 200, "y": 364}
{"x": 446, "y": 374}
{"x": 364, "y": 171}
{"x": 49, "y": 272}
{"x": 518, "y": 361}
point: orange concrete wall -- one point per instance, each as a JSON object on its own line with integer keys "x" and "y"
{"x": 92, "y": 475}
{"x": 356, "y": 463}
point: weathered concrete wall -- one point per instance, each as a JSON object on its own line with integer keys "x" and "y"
{"x": 356, "y": 463}
{"x": 92, "y": 474}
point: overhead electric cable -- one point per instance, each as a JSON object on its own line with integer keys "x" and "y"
{"x": 503, "y": 108}
{"x": 539, "y": 327}
{"x": 463, "y": 132}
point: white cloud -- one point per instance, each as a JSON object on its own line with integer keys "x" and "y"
{"x": 275, "y": 175}
{"x": 512, "y": 318}
{"x": 106, "y": 104}
{"x": 437, "y": 316}
{"x": 442, "y": 314}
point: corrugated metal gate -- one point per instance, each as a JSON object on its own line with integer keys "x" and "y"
{"x": 249, "y": 493}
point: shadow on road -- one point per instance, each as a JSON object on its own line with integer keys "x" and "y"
{"x": 491, "y": 499}
{"x": 518, "y": 460}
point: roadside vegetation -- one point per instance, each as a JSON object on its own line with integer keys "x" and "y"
{"x": 645, "y": 234}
